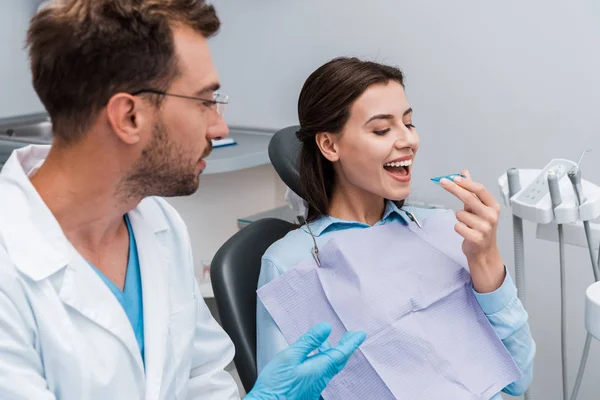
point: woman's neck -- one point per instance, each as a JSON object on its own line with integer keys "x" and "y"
{"x": 356, "y": 205}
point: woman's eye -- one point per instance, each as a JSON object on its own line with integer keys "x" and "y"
{"x": 409, "y": 126}
{"x": 382, "y": 131}
{"x": 207, "y": 104}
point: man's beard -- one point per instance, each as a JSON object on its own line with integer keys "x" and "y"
{"x": 163, "y": 169}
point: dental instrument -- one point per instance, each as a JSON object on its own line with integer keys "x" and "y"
{"x": 575, "y": 178}
{"x": 514, "y": 186}
{"x": 556, "y": 198}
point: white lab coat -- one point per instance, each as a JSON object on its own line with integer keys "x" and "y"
{"x": 63, "y": 334}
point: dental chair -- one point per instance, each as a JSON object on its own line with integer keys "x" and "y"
{"x": 236, "y": 266}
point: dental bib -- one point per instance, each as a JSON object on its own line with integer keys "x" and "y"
{"x": 409, "y": 289}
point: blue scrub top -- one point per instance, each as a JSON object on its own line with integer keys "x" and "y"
{"x": 131, "y": 296}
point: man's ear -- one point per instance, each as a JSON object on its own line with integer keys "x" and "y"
{"x": 327, "y": 143}
{"x": 127, "y": 116}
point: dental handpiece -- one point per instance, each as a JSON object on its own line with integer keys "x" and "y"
{"x": 575, "y": 177}
{"x": 555, "y": 197}
{"x": 556, "y": 200}
{"x": 514, "y": 186}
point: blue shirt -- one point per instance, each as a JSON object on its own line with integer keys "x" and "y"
{"x": 131, "y": 296}
{"x": 502, "y": 307}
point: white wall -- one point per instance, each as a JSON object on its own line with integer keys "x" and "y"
{"x": 494, "y": 84}
{"x": 16, "y": 93}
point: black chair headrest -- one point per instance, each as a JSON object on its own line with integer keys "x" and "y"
{"x": 284, "y": 151}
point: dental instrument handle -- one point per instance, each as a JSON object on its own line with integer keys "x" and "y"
{"x": 514, "y": 186}
{"x": 556, "y": 200}
{"x": 588, "y": 236}
{"x": 584, "y": 357}
{"x": 575, "y": 178}
{"x": 555, "y": 197}
{"x": 563, "y": 311}
{"x": 597, "y": 263}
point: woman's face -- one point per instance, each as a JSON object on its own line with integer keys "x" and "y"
{"x": 375, "y": 151}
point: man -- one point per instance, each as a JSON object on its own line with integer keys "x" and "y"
{"x": 97, "y": 289}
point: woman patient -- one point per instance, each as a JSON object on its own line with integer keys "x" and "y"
{"x": 358, "y": 150}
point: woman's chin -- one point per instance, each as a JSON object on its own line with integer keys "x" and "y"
{"x": 398, "y": 195}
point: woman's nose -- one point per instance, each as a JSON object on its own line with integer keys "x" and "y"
{"x": 407, "y": 137}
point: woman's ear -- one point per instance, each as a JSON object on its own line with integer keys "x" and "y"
{"x": 327, "y": 143}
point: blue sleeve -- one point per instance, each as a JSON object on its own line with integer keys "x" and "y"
{"x": 508, "y": 318}
{"x": 269, "y": 339}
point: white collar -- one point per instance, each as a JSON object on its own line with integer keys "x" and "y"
{"x": 31, "y": 234}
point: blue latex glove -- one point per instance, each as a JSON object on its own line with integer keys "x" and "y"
{"x": 293, "y": 374}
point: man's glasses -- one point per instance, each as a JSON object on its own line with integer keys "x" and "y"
{"x": 219, "y": 101}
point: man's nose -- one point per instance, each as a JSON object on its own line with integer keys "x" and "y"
{"x": 218, "y": 130}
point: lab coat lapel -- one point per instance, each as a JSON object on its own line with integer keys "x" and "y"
{"x": 28, "y": 222}
{"x": 84, "y": 291}
{"x": 154, "y": 265}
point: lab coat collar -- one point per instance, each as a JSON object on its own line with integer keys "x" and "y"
{"x": 323, "y": 224}
{"x": 32, "y": 236}
{"x": 38, "y": 247}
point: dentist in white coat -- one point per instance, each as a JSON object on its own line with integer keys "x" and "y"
{"x": 97, "y": 292}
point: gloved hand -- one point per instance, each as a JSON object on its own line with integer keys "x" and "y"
{"x": 293, "y": 374}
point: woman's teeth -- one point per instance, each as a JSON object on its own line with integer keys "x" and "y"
{"x": 399, "y": 164}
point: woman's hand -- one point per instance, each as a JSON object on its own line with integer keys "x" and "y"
{"x": 478, "y": 224}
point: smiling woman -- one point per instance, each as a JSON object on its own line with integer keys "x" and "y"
{"x": 356, "y": 129}
{"x": 358, "y": 149}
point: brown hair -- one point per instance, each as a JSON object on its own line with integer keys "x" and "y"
{"x": 324, "y": 106}
{"x": 82, "y": 52}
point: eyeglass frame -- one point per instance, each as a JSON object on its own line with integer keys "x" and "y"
{"x": 220, "y": 104}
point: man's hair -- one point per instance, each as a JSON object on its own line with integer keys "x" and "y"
{"x": 82, "y": 52}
